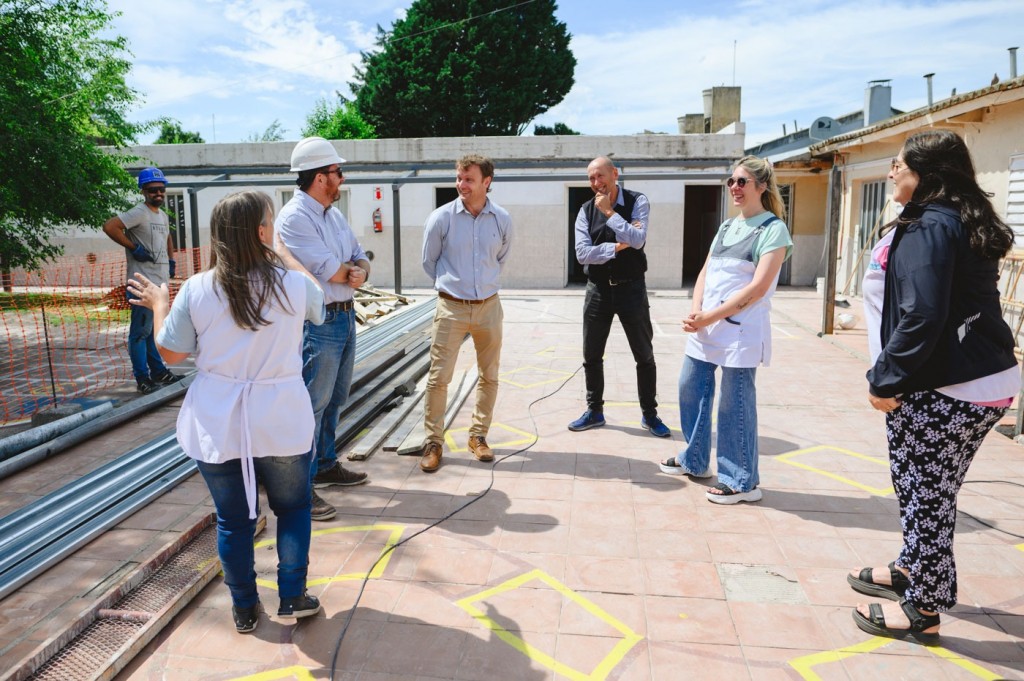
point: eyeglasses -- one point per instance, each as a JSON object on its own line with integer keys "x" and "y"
{"x": 740, "y": 181}
{"x": 336, "y": 171}
{"x": 897, "y": 167}
{"x": 155, "y": 190}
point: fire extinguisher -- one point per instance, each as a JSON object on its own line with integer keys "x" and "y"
{"x": 378, "y": 225}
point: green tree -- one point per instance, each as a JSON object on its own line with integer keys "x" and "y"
{"x": 337, "y": 122}
{"x": 556, "y": 129}
{"x": 274, "y": 133}
{"x": 465, "y": 67}
{"x": 171, "y": 132}
{"x": 62, "y": 93}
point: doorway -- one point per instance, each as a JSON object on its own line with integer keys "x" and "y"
{"x": 702, "y": 214}
{"x": 577, "y": 197}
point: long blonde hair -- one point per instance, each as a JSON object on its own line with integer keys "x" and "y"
{"x": 762, "y": 171}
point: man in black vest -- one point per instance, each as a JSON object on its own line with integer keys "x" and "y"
{"x": 611, "y": 231}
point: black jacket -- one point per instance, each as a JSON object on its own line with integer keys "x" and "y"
{"x": 941, "y": 319}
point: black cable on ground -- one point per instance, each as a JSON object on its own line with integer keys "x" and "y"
{"x": 366, "y": 579}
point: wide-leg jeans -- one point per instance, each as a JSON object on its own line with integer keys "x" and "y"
{"x": 737, "y": 422}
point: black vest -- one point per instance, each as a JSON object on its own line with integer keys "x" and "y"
{"x": 629, "y": 263}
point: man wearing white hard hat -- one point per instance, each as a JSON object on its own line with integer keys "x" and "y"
{"x": 144, "y": 232}
{"x": 318, "y": 236}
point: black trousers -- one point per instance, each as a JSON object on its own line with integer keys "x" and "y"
{"x": 932, "y": 441}
{"x": 629, "y": 301}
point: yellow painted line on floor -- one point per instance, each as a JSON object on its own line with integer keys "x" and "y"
{"x": 974, "y": 669}
{"x": 600, "y": 672}
{"x": 558, "y": 375}
{"x": 1020, "y": 547}
{"x": 878, "y": 491}
{"x": 523, "y": 439}
{"x": 297, "y": 673}
{"x": 551, "y": 352}
{"x": 804, "y": 665}
{"x": 396, "y": 534}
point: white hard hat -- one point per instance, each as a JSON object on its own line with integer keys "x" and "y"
{"x": 314, "y": 152}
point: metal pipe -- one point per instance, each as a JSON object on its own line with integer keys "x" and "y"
{"x": 1013, "y": 62}
{"x": 928, "y": 77}
{"x": 94, "y": 427}
{"x": 19, "y": 442}
{"x": 397, "y": 239}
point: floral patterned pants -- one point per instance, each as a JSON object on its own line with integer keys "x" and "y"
{"x": 932, "y": 441}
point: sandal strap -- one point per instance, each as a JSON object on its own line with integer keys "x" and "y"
{"x": 875, "y": 614}
{"x": 725, "y": 490}
{"x": 918, "y": 622}
{"x": 898, "y": 579}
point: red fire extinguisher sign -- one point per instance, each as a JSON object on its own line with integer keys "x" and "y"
{"x": 378, "y": 224}
{"x": 376, "y": 194}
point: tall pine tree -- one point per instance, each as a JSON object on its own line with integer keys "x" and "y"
{"x": 454, "y": 68}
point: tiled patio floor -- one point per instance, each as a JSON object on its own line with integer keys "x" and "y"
{"x": 583, "y": 561}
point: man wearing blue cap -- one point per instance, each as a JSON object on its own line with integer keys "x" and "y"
{"x": 145, "y": 233}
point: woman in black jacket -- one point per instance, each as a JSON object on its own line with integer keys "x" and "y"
{"x": 946, "y": 374}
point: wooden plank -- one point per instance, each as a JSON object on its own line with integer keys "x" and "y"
{"x": 371, "y": 441}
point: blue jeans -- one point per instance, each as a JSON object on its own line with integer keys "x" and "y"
{"x": 328, "y": 357}
{"x": 142, "y": 350}
{"x": 286, "y": 480}
{"x": 737, "y": 422}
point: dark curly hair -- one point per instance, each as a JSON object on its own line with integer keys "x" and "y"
{"x": 943, "y": 163}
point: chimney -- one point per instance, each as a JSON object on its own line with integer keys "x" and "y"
{"x": 721, "y": 108}
{"x": 877, "y": 102}
{"x": 1013, "y": 62}
{"x": 928, "y": 77}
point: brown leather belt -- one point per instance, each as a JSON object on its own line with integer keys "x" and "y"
{"x": 460, "y": 300}
{"x": 343, "y": 306}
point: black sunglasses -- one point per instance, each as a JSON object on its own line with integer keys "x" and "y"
{"x": 741, "y": 181}
{"x": 155, "y": 190}
{"x": 336, "y": 171}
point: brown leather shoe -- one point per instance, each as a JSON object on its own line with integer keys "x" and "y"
{"x": 478, "y": 445}
{"x": 431, "y": 460}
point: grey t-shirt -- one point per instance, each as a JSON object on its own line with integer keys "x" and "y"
{"x": 149, "y": 228}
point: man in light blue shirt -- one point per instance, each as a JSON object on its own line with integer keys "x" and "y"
{"x": 316, "y": 234}
{"x": 465, "y": 245}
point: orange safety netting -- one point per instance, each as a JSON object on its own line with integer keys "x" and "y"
{"x": 66, "y": 329}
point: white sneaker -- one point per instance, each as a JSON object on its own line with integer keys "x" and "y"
{"x": 673, "y": 467}
{"x": 727, "y": 495}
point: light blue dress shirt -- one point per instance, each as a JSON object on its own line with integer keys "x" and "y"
{"x": 464, "y": 255}
{"x": 321, "y": 240}
{"x": 589, "y": 253}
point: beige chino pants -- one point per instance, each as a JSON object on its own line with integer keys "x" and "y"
{"x": 452, "y": 321}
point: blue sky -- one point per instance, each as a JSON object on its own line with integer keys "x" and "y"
{"x": 228, "y": 69}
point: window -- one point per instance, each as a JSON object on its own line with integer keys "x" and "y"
{"x": 1015, "y": 200}
{"x": 443, "y": 195}
{"x": 174, "y": 206}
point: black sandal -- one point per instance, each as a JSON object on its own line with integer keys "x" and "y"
{"x": 875, "y": 624}
{"x": 865, "y": 583}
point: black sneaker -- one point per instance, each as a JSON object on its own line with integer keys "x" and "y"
{"x": 166, "y": 378}
{"x": 146, "y": 386}
{"x": 300, "y": 606}
{"x": 246, "y": 619}
{"x": 336, "y": 475}
{"x": 320, "y": 509}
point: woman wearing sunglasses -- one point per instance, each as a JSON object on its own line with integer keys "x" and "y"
{"x": 730, "y": 328}
{"x": 945, "y": 375}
